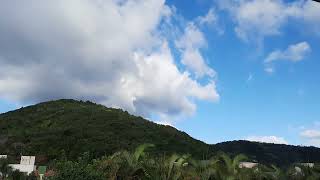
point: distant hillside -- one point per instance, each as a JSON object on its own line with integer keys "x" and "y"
{"x": 266, "y": 153}
{"x": 46, "y": 129}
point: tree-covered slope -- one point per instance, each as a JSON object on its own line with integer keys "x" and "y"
{"x": 46, "y": 129}
{"x": 267, "y": 153}
{"x": 77, "y": 127}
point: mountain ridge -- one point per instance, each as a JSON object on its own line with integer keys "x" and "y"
{"x": 47, "y": 128}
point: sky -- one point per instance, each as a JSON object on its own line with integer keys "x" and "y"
{"x": 219, "y": 70}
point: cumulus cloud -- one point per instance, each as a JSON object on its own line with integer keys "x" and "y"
{"x": 106, "y": 51}
{"x": 267, "y": 139}
{"x": 308, "y": 13}
{"x": 190, "y": 44}
{"x": 256, "y": 19}
{"x": 295, "y": 52}
{"x": 160, "y": 85}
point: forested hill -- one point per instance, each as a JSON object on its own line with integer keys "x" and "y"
{"x": 75, "y": 127}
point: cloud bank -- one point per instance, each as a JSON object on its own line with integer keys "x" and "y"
{"x": 110, "y": 52}
{"x": 311, "y": 136}
{"x": 310, "y": 133}
{"x": 267, "y": 139}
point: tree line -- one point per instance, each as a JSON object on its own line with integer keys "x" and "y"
{"x": 141, "y": 165}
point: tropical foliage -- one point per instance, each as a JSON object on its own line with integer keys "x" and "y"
{"x": 136, "y": 165}
{"x": 141, "y": 165}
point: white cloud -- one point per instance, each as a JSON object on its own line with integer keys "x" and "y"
{"x": 250, "y": 78}
{"x": 209, "y": 18}
{"x": 313, "y": 142}
{"x": 106, "y": 51}
{"x": 165, "y": 123}
{"x": 308, "y": 13}
{"x": 311, "y": 137}
{"x": 190, "y": 44}
{"x": 295, "y": 52}
{"x": 267, "y": 139}
{"x": 256, "y": 19}
{"x": 160, "y": 85}
{"x": 269, "y": 70}
{"x": 310, "y": 133}
{"x": 262, "y": 17}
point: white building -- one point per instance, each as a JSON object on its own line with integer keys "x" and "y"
{"x": 310, "y": 165}
{"x": 26, "y": 164}
{"x": 247, "y": 165}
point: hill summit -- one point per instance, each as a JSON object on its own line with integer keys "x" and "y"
{"x": 77, "y": 127}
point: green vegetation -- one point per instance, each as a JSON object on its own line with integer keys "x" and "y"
{"x": 139, "y": 164}
{"x": 265, "y": 153}
{"x": 71, "y": 127}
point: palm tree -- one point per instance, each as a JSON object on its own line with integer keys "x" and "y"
{"x": 171, "y": 168}
{"x": 264, "y": 172}
{"x": 204, "y": 169}
{"x": 175, "y": 165}
{"x": 227, "y": 168}
{"x": 130, "y": 165}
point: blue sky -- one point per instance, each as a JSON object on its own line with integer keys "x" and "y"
{"x": 218, "y": 70}
{"x": 254, "y": 102}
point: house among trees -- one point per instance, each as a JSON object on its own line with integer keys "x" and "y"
{"x": 247, "y": 165}
{"x": 26, "y": 164}
{"x": 309, "y": 165}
